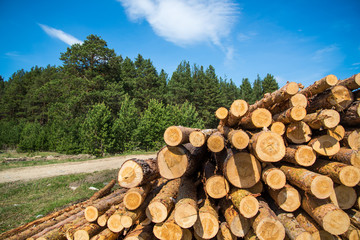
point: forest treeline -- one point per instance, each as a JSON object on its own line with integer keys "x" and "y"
{"x": 99, "y": 102}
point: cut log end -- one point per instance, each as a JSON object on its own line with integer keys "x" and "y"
{"x": 270, "y": 229}
{"x": 298, "y": 132}
{"x": 197, "y": 139}
{"x": 288, "y": 199}
{"x": 331, "y": 118}
{"x": 341, "y": 97}
{"x": 217, "y": 187}
{"x": 168, "y": 231}
{"x": 173, "y": 136}
{"x": 353, "y": 140}
{"x": 239, "y": 108}
{"x": 269, "y": 147}
{"x": 326, "y": 145}
{"x": 321, "y": 187}
{"x": 349, "y": 176}
{"x": 337, "y": 132}
{"x": 81, "y": 235}
{"x": 275, "y": 179}
{"x": 172, "y": 162}
{"x": 345, "y": 197}
{"x": 239, "y": 139}
{"x": 305, "y": 156}
{"x": 249, "y": 206}
{"x": 298, "y": 113}
{"x": 91, "y": 213}
{"x": 157, "y": 212}
{"x": 206, "y": 226}
{"x": 292, "y": 88}
{"x": 185, "y": 215}
{"x": 304, "y": 236}
{"x": 298, "y": 100}
{"x": 261, "y": 117}
{"x": 336, "y": 222}
{"x": 278, "y": 127}
{"x": 216, "y": 143}
{"x": 114, "y": 223}
{"x": 130, "y": 174}
{"x": 221, "y": 113}
{"x": 132, "y": 200}
{"x": 331, "y": 80}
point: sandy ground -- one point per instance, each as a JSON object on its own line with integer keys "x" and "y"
{"x": 36, "y": 172}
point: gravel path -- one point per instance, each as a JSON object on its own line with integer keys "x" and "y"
{"x": 51, "y": 170}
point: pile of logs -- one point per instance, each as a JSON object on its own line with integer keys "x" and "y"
{"x": 287, "y": 166}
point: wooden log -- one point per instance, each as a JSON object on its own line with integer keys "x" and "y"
{"x": 258, "y": 118}
{"x": 340, "y": 173}
{"x": 199, "y": 137}
{"x": 114, "y": 221}
{"x": 353, "y": 233}
{"x": 176, "y": 135}
{"x": 59, "y": 231}
{"x": 129, "y": 218}
{"x": 278, "y": 127}
{"x": 327, "y": 118}
{"x": 302, "y": 155}
{"x": 267, "y": 146}
{"x": 104, "y": 191}
{"x": 330, "y": 217}
{"x": 161, "y": 205}
{"x": 216, "y": 142}
{"x": 174, "y": 162}
{"x": 298, "y": 132}
{"x": 277, "y": 96}
{"x": 344, "y": 197}
{"x": 347, "y": 156}
{"x": 140, "y": 232}
{"x": 245, "y": 202}
{"x": 241, "y": 169}
{"x": 351, "y": 83}
{"x": 136, "y": 196}
{"x": 337, "y": 132}
{"x": 106, "y": 234}
{"x": 338, "y": 97}
{"x": 319, "y": 86}
{"x": 237, "y": 110}
{"x": 273, "y": 177}
{"x": 185, "y": 213}
{"x": 238, "y": 224}
{"x": 187, "y": 234}
{"x": 352, "y": 139}
{"x": 207, "y": 224}
{"x": 239, "y": 139}
{"x": 316, "y": 184}
{"x": 293, "y": 114}
{"x": 216, "y": 186}
{"x": 87, "y": 231}
{"x": 298, "y": 100}
{"x": 222, "y": 113}
{"x": 73, "y": 228}
{"x": 135, "y": 172}
{"x": 258, "y": 188}
{"x": 351, "y": 116}
{"x": 308, "y": 224}
{"x": 325, "y": 145}
{"x": 354, "y": 216}
{"x": 266, "y": 225}
{"x": 102, "y": 220}
{"x": 225, "y": 233}
{"x": 168, "y": 230}
{"x": 287, "y": 198}
{"x": 251, "y": 235}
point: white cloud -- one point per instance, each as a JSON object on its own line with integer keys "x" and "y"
{"x": 56, "y": 33}
{"x": 242, "y": 37}
{"x": 324, "y": 53}
{"x": 12, "y": 54}
{"x": 185, "y": 22}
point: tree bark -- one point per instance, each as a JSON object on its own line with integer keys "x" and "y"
{"x": 140, "y": 232}
{"x": 302, "y": 155}
{"x": 106, "y": 234}
{"x": 278, "y": 127}
{"x": 59, "y": 232}
{"x": 308, "y": 224}
{"x": 320, "y": 86}
{"x": 298, "y": 132}
{"x": 353, "y": 233}
{"x": 292, "y": 227}
{"x": 176, "y": 135}
{"x": 103, "y": 192}
{"x": 216, "y": 186}
{"x": 267, "y": 146}
{"x": 352, "y": 139}
{"x": 293, "y": 114}
{"x": 351, "y": 83}
{"x": 351, "y": 116}
{"x": 325, "y": 145}
{"x": 136, "y": 196}
{"x": 199, "y": 137}
{"x": 354, "y": 216}
{"x": 273, "y": 177}
{"x": 207, "y": 224}
{"x": 287, "y": 198}
{"x": 87, "y": 231}
{"x": 245, "y": 202}
{"x": 327, "y": 118}
{"x": 216, "y": 142}
{"x": 258, "y": 118}
{"x": 225, "y": 233}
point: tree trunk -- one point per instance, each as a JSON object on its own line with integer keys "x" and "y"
{"x": 237, "y": 110}
{"x": 320, "y": 86}
{"x": 267, "y": 146}
{"x": 273, "y": 177}
{"x": 308, "y": 224}
{"x": 216, "y": 186}
{"x": 238, "y": 224}
{"x": 87, "y": 231}
{"x": 168, "y": 230}
{"x": 186, "y": 206}
{"x": 330, "y": 217}
{"x": 298, "y": 132}
{"x": 161, "y": 205}
{"x": 240, "y": 168}
{"x": 327, "y": 118}
{"x": 287, "y": 198}
{"x": 245, "y": 202}
{"x": 106, "y": 234}
{"x": 325, "y": 145}
{"x": 302, "y": 155}
{"x": 102, "y": 220}
{"x": 176, "y": 135}
{"x": 345, "y": 197}
{"x": 140, "y": 232}
{"x": 266, "y": 225}
{"x": 292, "y": 227}
{"x": 352, "y": 233}
{"x": 298, "y": 100}
{"x": 136, "y": 196}
{"x": 337, "y": 132}
{"x": 225, "y": 233}
{"x": 216, "y": 142}
{"x": 351, "y": 116}
{"x": 318, "y": 185}
{"x": 351, "y": 83}
{"x": 258, "y": 118}
{"x": 135, "y": 172}
{"x": 278, "y": 127}
{"x": 352, "y": 139}
{"x": 293, "y": 114}
{"x": 339, "y": 172}
{"x": 207, "y": 224}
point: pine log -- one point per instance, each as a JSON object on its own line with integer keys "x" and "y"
{"x": 352, "y": 139}
{"x": 353, "y": 233}
{"x": 258, "y": 188}
{"x": 135, "y": 172}
{"x": 136, "y": 196}
{"x": 129, "y": 218}
{"x": 251, "y": 235}
{"x": 356, "y": 95}
{"x": 351, "y": 116}
{"x": 293, "y": 114}
{"x": 298, "y": 132}
{"x": 325, "y": 145}
{"x": 337, "y": 132}
{"x": 216, "y": 186}
{"x": 59, "y": 231}
{"x": 187, "y": 234}
{"x": 302, "y": 155}
{"x": 174, "y": 162}
{"x": 341, "y": 173}
{"x": 327, "y": 118}
{"x": 176, "y": 135}
{"x": 316, "y": 184}
{"x": 102, "y": 220}
{"x": 73, "y": 228}
{"x": 278, "y": 127}
{"x": 241, "y": 169}
{"x": 277, "y": 96}
{"x": 287, "y": 198}
{"x": 308, "y": 224}
{"x": 338, "y": 97}
{"x": 273, "y": 177}
{"x": 185, "y": 213}
{"x": 104, "y": 191}
{"x": 106, "y": 234}
{"x": 216, "y": 142}
{"x": 207, "y": 224}
{"x": 344, "y": 197}
{"x": 238, "y": 138}
{"x": 267, "y": 146}
{"x": 225, "y": 233}
{"x": 87, "y": 231}
{"x": 114, "y": 221}
{"x": 326, "y": 214}
{"x": 237, "y": 110}
{"x": 238, "y": 224}
{"x": 354, "y": 216}
{"x": 352, "y": 82}
{"x": 161, "y": 205}
{"x": 222, "y": 114}
{"x": 168, "y": 230}
{"x": 245, "y": 202}
{"x": 298, "y": 100}
{"x": 199, "y": 137}
{"x": 319, "y": 86}
{"x": 258, "y": 118}
{"x": 140, "y": 232}
{"x": 266, "y": 225}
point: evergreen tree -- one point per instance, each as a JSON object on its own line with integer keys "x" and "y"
{"x": 180, "y": 86}
{"x": 245, "y": 90}
{"x": 269, "y": 84}
{"x": 257, "y": 92}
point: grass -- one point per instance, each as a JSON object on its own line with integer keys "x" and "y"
{"x": 22, "y": 202}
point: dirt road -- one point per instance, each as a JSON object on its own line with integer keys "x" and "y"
{"x": 29, "y": 173}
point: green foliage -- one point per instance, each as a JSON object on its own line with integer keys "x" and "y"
{"x": 33, "y": 138}
{"x": 269, "y": 84}
{"x": 257, "y": 91}
{"x": 10, "y": 132}
{"x": 246, "y": 91}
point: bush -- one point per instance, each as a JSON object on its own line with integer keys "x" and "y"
{"x": 33, "y": 138}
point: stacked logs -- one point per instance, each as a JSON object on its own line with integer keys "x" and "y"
{"x": 286, "y": 166}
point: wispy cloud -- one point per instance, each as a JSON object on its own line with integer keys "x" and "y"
{"x": 323, "y": 53}
{"x": 242, "y": 37}
{"x": 185, "y": 22}
{"x": 59, "y": 34}
{"x": 12, "y": 54}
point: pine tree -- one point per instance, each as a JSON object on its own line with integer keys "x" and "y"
{"x": 180, "y": 86}
{"x": 257, "y": 93}
{"x": 246, "y": 90}
{"x": 269, "y": 84}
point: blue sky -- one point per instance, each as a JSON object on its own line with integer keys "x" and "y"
{"x": 298, "y": 40}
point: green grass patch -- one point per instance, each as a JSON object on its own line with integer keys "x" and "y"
{"x": 22, "y": 202}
